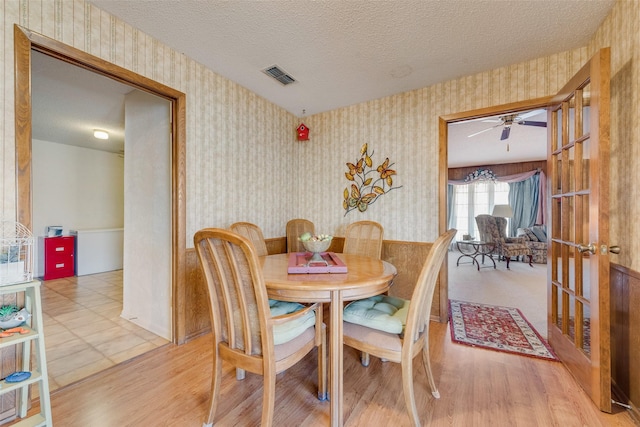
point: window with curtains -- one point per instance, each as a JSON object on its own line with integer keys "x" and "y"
{"x": 474, "y": 199}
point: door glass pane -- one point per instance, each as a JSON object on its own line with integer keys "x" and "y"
{"x": 578, "y": 167}
{"x": 571, "y": 226}
{"x": 582, "y": 229}
{"x": 572, "y": 315}
{"x": 554, "y": 232}
{"x": 566, "y": 266}
{"x": 585, "y": 217}
{"x": 586, "y": 147}
{"x": 558, "y": 307}
{"x": 586, "y": 101}
{"x": 586, "y": 277}
{"x": 571, "y": 169}
{"x": 572, "y": 119}
{"x": 556, "y": 185}
{"x": 559, "y": 130}
{"x": 555, "y": 255}
{"x": 571, "y": 282}
{"x": 586, "y": 330}
{"x": 567, "y": 218}
{"x": 578, "y": 212}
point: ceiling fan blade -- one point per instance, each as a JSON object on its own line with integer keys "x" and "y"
{"x": 505, "y": 133}
{"x": 477, "y": 119}
{"x": 533, "y": 123}
{"x": 530, "y": 114}
{"x": 485, "y": 130}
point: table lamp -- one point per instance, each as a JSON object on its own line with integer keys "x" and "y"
{"x": 503, "y": 211}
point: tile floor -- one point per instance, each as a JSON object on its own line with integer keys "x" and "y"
{"x": 84, "y": 332}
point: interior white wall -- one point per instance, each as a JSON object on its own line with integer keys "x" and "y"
{"x": 147, "y": 214}
{"x": 76, "y": 188}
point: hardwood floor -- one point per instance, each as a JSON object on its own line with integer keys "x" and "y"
{"x": 169, "y": 386}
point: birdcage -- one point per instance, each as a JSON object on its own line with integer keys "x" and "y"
{"x": 16, "y": 253}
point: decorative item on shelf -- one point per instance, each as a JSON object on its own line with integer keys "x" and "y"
{"x": 11, "y": 316}
{"x": 365, "y": 190}
{"x": 17, "y": 377}
{"x": 303, "y": 132}
{"x": 9, "y": 332}
{"x": 316, "y": 245}
{"x": 16, "y": 253}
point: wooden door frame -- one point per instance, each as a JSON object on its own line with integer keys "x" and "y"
{"x": 443, "y": 167}
{"x": 24, "y": 42}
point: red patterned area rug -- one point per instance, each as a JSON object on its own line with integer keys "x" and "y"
{"x": 496, "y": 328}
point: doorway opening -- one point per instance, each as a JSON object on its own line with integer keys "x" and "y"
{"x": 465, "y": 281}
{"x": 25, "y": 42}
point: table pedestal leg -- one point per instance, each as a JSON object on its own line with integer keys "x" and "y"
{"x": 335, "y": 359}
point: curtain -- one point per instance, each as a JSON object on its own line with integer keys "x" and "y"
{"x": 524, "y": 201}
{"x": 527, "y": 196}
{"x": 451, "y": 206}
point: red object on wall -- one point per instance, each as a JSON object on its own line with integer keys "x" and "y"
{"x": 303, "y": 132}
{"x": 59, "y": 259}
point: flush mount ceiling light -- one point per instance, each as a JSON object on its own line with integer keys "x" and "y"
{"x": 100, "y": 134}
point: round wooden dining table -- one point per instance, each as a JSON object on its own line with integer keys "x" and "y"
{"x": 365, "y": 277}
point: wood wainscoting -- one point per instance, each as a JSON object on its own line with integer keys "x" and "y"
{"x": 625, "y": 336}
{"x": 407, "y": 257}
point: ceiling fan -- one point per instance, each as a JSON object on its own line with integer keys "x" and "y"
{"x": 510, "y": 119}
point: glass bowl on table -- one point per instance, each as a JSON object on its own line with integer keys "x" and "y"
{"x": 317, "y": 245}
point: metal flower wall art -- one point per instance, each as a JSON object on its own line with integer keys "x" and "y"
{"x": 367, "y": 184}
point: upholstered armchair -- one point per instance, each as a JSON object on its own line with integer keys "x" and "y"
{"x": 493, "y": 229}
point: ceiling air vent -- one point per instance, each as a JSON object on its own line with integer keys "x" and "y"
{"x": 279, "y": 74}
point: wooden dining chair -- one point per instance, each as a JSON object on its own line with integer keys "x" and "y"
{"x": 364, "y": 238}
{"x": 295, "y": 228}
{"x": 250, "y": 331}
{"x": 253, "y": 233}
{"x": 397, "y": 330}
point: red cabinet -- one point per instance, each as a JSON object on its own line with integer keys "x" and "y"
{"x": 58, "y": 257}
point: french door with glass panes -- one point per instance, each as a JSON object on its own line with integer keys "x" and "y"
{"x": 578, "y": 273}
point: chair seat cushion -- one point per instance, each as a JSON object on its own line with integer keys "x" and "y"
{"x": 381, "y": 312}
{"x": 285, "y": 332}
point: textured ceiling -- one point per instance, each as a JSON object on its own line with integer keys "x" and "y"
{"x": 346, "y": 52}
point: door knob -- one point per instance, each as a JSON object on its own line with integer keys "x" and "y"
{"x": 614, "y": 249}
{"x": 588, "y": 248}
